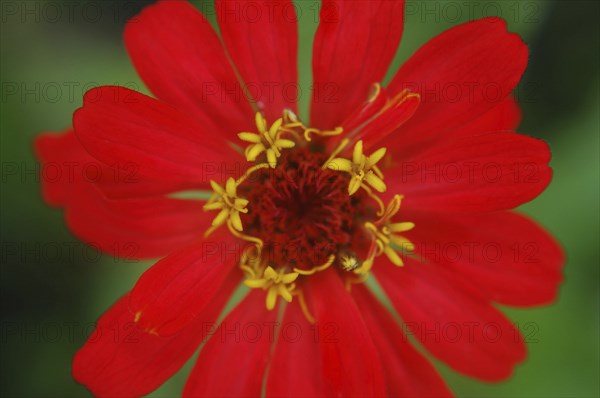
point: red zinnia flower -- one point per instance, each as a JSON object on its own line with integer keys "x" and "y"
{"x": 379, "y": 178}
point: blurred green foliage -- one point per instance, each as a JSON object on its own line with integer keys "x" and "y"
{"x": 41, "y": 52}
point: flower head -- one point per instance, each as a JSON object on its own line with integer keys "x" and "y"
{"x": 313, "y": 212}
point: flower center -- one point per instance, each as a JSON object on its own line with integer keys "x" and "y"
{"x": 305, "y": 209}
{"x": 297, "y": 204}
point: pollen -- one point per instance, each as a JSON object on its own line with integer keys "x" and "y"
{"x": 350, "y": 262}
{"x": 361, "y": 168}
{"x": 267, "y": 140}
{"x": 230, "y": 205}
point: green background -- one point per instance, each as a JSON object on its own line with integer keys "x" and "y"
{"x": 50, "y": 298}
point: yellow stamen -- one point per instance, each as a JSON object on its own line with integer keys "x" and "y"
{"x": 257, "y": 241}
{"x": 230, "y": 206}
{"x": 250, "y": 171}
{"x": 400, "y": 98}
{"x": 304, "y": 307}
{"x": 266, "y": 140}
{"x": 375, "y": 198}
{"x": 322, "y": 133}
{"x": 259, "y": 276}
{"x": 385, "y": 234}
{"x": 374, "y": 92}
{"x": 319, "y": 268}
{"x": 291, "y": 122}
{"x": 336, "y": 152}
{"x": 355, "y": 281}
{"x": 362, "y": 168}
{"x": 392, "y": 208}
{"x": 277, "y": 283}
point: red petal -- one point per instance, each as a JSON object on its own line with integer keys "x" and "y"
{"x": 506, "y": 256}
{"x": 181, "y": 59}
{"x": 391, "y": 117}
{"x": 233, "y": 362}
{"x": 350, "y": 363}
{"x": 134, "y": 228}
{"x": 452, "y": 320}
{"x": 487, "y": 172}
{"x": 460, "y": 75}
{"x": 373, "y": 104}
{"x": 121, "y": 127}
{"x": 296, "y": 367}
{"x": 262, "y": 39}
{"x": 121, "y": 360}
{"x": 505, "y": 116}
{"x": 62, "y": 160}
{"x": 66, "y": 164}
{"x": 177, "y": 288}
{"x": 354, "y": 45}
{"x": 408, "y": 373}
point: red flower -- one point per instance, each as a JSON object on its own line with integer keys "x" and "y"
{"x": 380, "y": 177}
